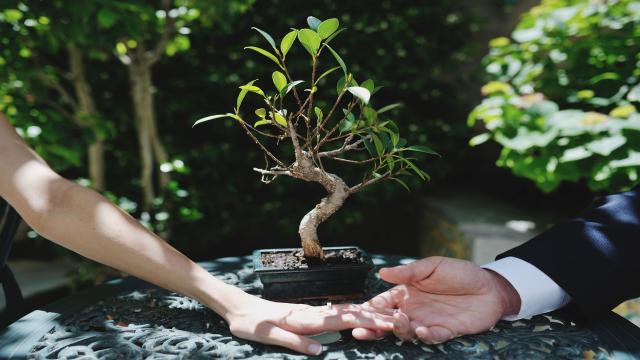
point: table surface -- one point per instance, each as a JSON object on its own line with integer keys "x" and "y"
{"x": 131, "y": 319}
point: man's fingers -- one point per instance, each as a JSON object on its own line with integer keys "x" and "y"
{"x": 412, "y": 272}
{"x": 432, "y": 334}
{"x": 402, "y": 326}
{"x": 367, "y": 334}
{"x": 271, "y": 334}
{"x": 389, "y": 299}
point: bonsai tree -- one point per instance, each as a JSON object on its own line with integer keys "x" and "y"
{"x": 350, "y": 131}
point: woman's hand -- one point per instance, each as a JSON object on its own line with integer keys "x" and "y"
{"x": 286, "y": 324}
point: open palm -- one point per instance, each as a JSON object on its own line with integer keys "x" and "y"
{"x": 440, "y": 298}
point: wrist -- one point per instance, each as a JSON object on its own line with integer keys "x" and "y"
{"x": 507, "y": 294}
{"x": 222, "y": 298}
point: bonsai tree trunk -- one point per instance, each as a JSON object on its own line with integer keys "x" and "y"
{"x": 338, "y": 192}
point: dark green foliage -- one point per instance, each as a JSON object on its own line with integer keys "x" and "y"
{"x": 417, "y": 48}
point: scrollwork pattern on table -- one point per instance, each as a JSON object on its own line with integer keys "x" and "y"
{"x": 156, "y": 324}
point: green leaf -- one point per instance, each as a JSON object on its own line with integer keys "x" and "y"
{"x": 265, "y": 53}
{"x": 313, "y": 22}
{"x": 287, "y": 42}
{"x": 479, "y": 139}
{"x": 13, "y": 15}
{"x": 253, "y": 89}
{"x": 633, "y": 159}
{"x": 279, "y": 80}
{"x": 361, "y": 93}
{"x": 338, "y": 59}
{"x": 575, "y": 154}
{"x": 266, "y": 36}
{"x": 401, "y": 183}
{"x": 219, "y": 116}
{"x": 368, "y": 84}
{"x": 391, "y": 163}
{"x": 390, "y": 107}
{"x": 422, "y": 149}
{"x": 106, "y": 18}
{"x": 348, "y": 123}
{"x": 606, "y": 146}
{"x": 290, "y": 86}
{"x": 377, "y": 143}
{"x": 415, "y": 169}
{"x": 242, "y": 94}
{"x": 262, "y": 112}
{"x": 310, "y": 40}
{"x": 262, "y": 122}
{"x": 328, "y": 27}
{"x": 280, "y": 119}
{"x": 327, "y": 73}
{"x": 318, "y": 113}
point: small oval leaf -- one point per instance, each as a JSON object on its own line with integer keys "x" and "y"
{"x": 328, "y": 27}
{"x": 279, "y": 80}
{"x": 313, "y": 22}
{"x": 287, "y": 42}
{"x": 361, "y": 93}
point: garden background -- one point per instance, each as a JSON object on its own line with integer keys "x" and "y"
{"x": 546, "y": 93}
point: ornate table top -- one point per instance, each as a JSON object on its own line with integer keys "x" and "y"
{"x": 130, "y": 319}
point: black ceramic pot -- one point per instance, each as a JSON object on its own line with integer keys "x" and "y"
{"x": 322, "y": 281}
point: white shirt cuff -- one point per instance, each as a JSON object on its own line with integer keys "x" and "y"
{"x": 538, "y": 293}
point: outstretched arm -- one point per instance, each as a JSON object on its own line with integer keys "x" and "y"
{"x": 83, "y": 221}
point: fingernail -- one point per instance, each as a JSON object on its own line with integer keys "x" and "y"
{"x": 315, "y": 349}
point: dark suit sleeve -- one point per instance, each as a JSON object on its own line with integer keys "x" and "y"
{"x": 595, "y": 258}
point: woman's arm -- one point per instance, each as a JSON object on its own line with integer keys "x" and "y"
{"x": 85, "y": 222}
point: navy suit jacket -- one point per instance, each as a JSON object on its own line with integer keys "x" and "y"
{"x": 595, "y": 258}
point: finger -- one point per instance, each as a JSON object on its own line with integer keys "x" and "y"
{"x": 389, "y": 299}
{"x": 352, "y": 316}
{"x": 402, "y": 326}
{"x": 412, "y": 272}
{"x": 367, "y": 334}
{"x": 271, "y": 334}
{"x": 433, "y": 334}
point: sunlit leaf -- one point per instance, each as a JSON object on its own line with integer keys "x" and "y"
{"x": 242, "y": 94}
{"x": 253, "y": 89}
{"x": 310, "y": 40}
{"x": 279, "y": 80}
{"x": 328, "y": 27}
{"x": 287, "y": 42}
{"x": 264, "y": 53}
{"x": 361, "y": 93}
{"x": 280, "y": 119}
{"x": 479, "y": 139}
{"x": 261, "y": 112}
{"x": 262, "y": 122}
{"x": 219, "y": 116}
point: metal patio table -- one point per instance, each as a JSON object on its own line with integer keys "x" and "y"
{"x": 131, "y": 319}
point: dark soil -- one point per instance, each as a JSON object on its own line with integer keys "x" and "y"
{"x": 296, "y": 260}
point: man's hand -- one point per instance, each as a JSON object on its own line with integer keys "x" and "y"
{"x": 441, "y": 298}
